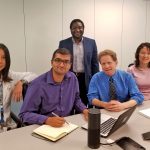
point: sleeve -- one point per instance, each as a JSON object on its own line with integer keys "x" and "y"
{"x": 31, "y": 106}
{"x": 95, "y": 64}
{"x": 60, "y": 44}
{"x": 17, "y": 76}
{"x": 93, "y": 90}
{"x": 134, "y": 91}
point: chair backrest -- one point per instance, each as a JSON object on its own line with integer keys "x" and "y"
{"x": 12, "y": 114}
{"x": 131, "y": 64}
{"x": 24, "y": 90}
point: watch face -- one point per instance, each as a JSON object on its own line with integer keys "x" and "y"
{"x": 23, "y": 81}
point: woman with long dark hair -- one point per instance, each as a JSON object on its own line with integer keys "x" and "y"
{"x": 141, "y": 69}
{"x": 10, "y": 87}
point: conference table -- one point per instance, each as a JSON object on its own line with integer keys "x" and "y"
{"x": 21, "y": 138}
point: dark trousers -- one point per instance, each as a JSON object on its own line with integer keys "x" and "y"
{"x": 83, "y": 91}
{"x": 82, "y": 88}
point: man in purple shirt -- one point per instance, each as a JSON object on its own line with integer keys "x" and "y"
{"x": 54, "y": 92}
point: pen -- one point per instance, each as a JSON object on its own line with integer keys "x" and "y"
{"x": 58, "y": 116}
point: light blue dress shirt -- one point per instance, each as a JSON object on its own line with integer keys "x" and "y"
{"x": 126, "y": 87}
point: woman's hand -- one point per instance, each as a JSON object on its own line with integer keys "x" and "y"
{"x": 17, "y": 92}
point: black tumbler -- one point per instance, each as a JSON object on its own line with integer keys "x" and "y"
{"x": 94, "y": 128}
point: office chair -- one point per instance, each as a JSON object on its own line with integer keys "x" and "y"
{"x": 13, "y": 115}
{"x": 16, "y": 118}
{"x": 131, "y": 64}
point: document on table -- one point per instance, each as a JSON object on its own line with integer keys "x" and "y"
{"x": 145, "y": 112}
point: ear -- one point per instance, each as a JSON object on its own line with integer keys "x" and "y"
{"x": 70, "y": 66}
{"x": 51, "y": 62}
{"x": 116, "y": 62}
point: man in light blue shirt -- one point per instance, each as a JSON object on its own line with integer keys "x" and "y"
{"x": 126, "y": 91}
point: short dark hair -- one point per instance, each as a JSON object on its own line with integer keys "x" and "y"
{"x": 76, "y": 20}
{"x": 111, "y": 53}
{"x": 62, "y": 51}
{"x": 142, "y": 45}
{"x": 5, "y": 71}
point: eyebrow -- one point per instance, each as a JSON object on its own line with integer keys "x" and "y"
{"x": 63, "y": 59}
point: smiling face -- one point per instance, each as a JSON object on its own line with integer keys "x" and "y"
{"x": 144, "y": 56}
{"x": 108, "y": 64}
{"x": 2, "y": 60}
{"x": 77, "y": 30}
{"x": 61, "y": 64}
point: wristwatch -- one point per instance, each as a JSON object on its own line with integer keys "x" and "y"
{"x": 23, "y": 81}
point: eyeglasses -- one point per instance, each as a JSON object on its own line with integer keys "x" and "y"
{"x": 59, "y": 61}
{"x": 144, "y": 54}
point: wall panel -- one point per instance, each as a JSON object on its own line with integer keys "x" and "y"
{"x": 12, "y": 32}
{"x": 43, "y": 31}
{"x": 148, "y": 21}
{"x": 32, "y": 29}
{"x": 83, "y": 10}
{"x": 134, "y": 20}
{"x": 108, "y": 25}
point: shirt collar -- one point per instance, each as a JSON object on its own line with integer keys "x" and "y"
{"x": 75, "y": 42}
{"x": 113, "y": 76}
{"x": 50, "y": 79}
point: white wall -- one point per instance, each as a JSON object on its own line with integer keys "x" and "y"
{"x": 43, "y": 31}
{"x": 32, "y": 29}
{"x": 12, "y": 31}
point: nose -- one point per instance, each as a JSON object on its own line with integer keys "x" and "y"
{"x": 62, "y": 63}
{"x": 146, "y": 55}
{"x": 77, "y": 29}
{"x": 106, "y": 65}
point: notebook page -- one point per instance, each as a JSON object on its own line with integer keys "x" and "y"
{"x": 53, "y": 132}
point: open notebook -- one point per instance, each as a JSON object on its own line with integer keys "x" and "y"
{"x": 53, "y": 133}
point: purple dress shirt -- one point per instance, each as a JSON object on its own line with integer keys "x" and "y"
{"x": 44, "y": 96}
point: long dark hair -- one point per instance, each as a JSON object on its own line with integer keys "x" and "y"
{"x": 142, "y": 45}
{"x": 5, "y": 71}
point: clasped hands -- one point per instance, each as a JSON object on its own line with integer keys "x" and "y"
{"x": 114, "y": 105}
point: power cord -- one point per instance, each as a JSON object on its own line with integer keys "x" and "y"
{"x": 108, "y": 142}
